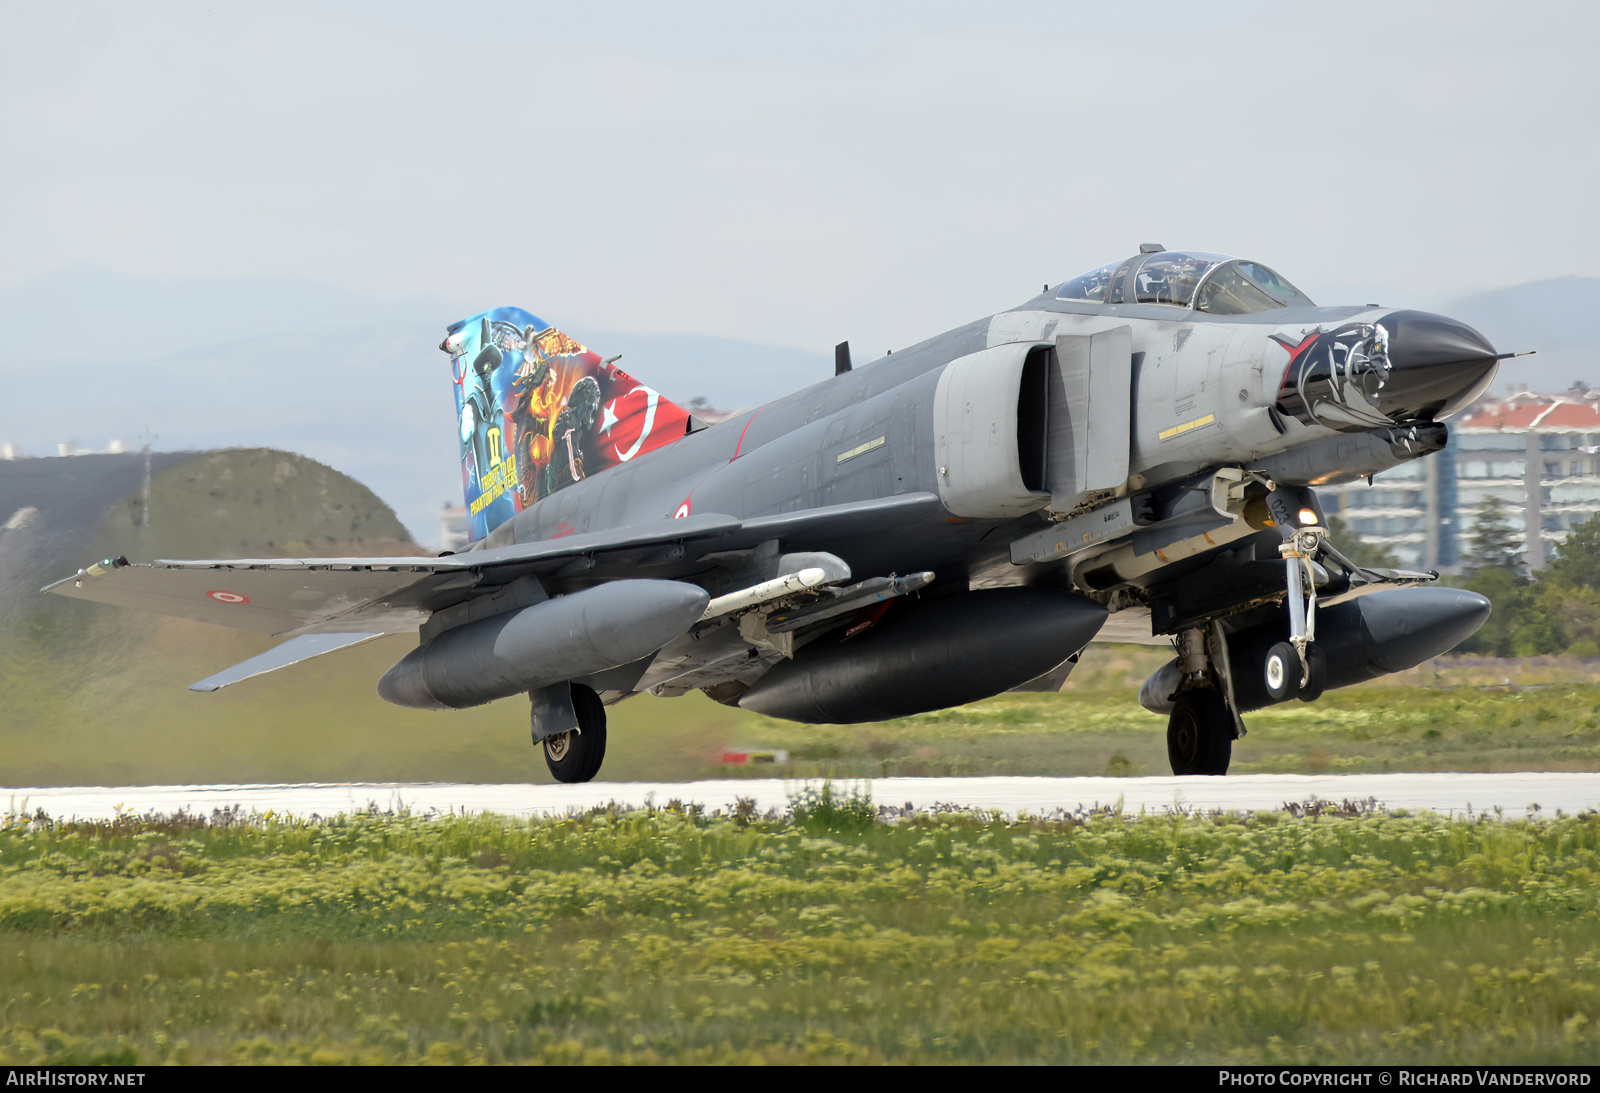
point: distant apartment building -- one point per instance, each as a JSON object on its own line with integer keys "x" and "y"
{"x": 1540, "y": 454}
{"x": 453, "y": 527}
{"x": 11, "y": 450}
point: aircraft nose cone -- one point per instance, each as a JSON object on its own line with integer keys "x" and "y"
{"x": 1438, "y": 366}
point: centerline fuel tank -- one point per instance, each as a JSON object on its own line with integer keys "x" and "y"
{"x": 928, "y": 656}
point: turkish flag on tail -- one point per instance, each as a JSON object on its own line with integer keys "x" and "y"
{"x": 636, "y": 419}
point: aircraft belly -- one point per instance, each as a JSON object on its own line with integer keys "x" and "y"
{"x": 703, "y": 657}
{"x": 1130, "y": 626}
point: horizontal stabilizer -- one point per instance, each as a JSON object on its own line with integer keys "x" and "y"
{"x": 290, "y": 652}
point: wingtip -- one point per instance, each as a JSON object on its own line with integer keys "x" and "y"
{"x": 96, "y": 570}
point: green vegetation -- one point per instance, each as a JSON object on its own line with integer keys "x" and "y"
{"x": 1494, "y": 541}
{"x": 1556, "y": 610}
{"x": 668, "y": 936}
{"x": 1370, "y": 555}
{"x": 1367, "y": 729}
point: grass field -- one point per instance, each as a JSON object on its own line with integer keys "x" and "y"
{"x": 832, "y": 937}
{"x": 114, "y": 711}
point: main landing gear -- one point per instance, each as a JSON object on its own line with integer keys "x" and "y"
{"x": 1204, "y": 721}
{"x": 576, "y": 755}
{"x": 1202, "y": 726}
{"x": 1200, "y": 733}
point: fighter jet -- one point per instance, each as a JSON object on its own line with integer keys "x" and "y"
{"x": 1128, "y": 456}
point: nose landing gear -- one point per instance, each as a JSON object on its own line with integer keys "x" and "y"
{"x": 1294, "y": 668}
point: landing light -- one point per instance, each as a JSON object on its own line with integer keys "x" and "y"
{"x": 1307, "y": 518}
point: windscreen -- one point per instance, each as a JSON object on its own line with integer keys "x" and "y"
{"x": 1213, "y": 283}
{"x": 1243, "y": 288}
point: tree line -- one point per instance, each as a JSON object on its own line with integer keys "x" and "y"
{"x": 1553, "y": 610}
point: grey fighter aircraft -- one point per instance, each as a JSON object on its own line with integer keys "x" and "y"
{"x": 1128, "y": 456}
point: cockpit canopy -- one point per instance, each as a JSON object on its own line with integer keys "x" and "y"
{"x": 1213, "y": 283}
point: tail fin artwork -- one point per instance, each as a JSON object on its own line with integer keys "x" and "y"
{"x": 539, "y": 411}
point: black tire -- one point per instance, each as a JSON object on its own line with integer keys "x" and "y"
{"x": 1316, "y": 675}
{"x": 1200, "y": 734}
{"x": 576, "y": 756}
{"x": 1281, "y": 672}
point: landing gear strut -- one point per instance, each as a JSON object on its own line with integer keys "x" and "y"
{"x": 576, "y": 755}
{"x": 1294, "y": 667}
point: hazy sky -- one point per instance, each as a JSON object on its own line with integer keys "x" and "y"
{"x": 795, "y": 173}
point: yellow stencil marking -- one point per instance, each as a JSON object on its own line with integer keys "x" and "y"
{"x": 861, "y": 449}
{"x": 1177, "y": 430}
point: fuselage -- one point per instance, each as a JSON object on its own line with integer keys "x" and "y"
{"x": 1204, "y": 391}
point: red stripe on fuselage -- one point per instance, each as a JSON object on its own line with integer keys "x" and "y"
{"x": 746, "y": 429}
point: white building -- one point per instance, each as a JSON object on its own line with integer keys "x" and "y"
{"x": 1540, "y": 454}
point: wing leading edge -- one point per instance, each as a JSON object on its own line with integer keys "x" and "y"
{"x": 290, "y": 652}
{"x": 294, "y": 596}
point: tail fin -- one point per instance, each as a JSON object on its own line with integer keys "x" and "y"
{"x": 538, "y": 411}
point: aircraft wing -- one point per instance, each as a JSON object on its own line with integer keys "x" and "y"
{"x": 246, "y": 596}
{"x": 293, "y": 596}
{"x": 358, "y": 595}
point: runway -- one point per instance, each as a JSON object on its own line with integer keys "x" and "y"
{"x": 1507, "y": 795}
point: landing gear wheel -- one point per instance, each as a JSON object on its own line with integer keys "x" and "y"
{"x": 1316, "y": 675}
{"x": 576, "y": 756}
{"x": 1282, "y": 670}
{"x": 1200, "y": 734}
